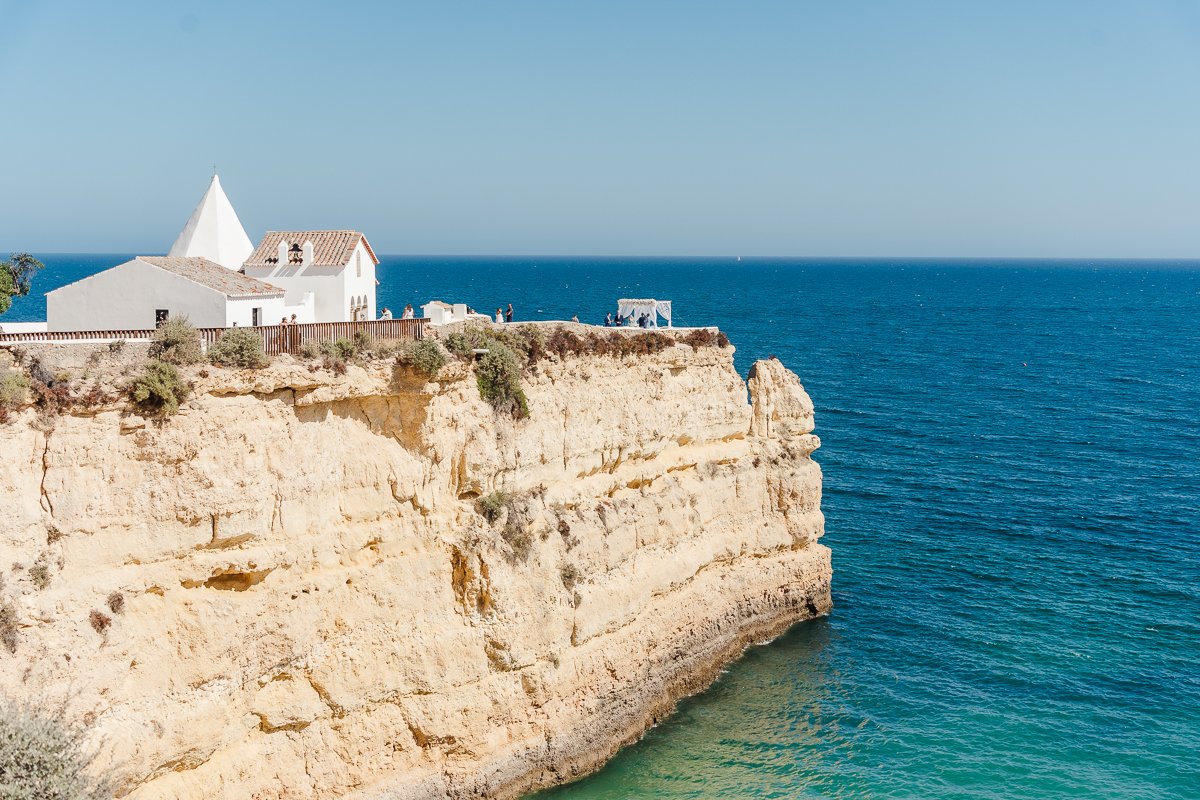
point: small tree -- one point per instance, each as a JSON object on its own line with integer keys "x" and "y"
{"x": 159, "y": 390}
{"x": 176, "y": 342}
{"x": 344, "y": 349}
{"x": 238, "y": 347}
{"x": 498, "y": 375}
{"x": 16, "y": 276}
{"x": 14, "y": 389}
{"x": 425, "y": 356}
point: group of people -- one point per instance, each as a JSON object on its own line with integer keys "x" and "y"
{"x": 643, "y": 320}
{"x": 286, "y": 321}
{"x": 504, "y": 315}
{"x": 387, "y": 312}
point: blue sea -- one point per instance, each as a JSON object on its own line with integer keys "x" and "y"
{"x": 1011, "y": 453}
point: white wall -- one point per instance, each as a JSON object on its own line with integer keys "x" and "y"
{"x": 126, "y": 296}
{"x": 361, "y": 285}
{"x": 325, "y": 283}
{"x": 240, "y": 310}
{"x": 304, "y": 310}
{"x": 22, "y": 327}
{"x": 333, "y": 288}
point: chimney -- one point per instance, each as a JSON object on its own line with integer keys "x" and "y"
{"x": 308, "y": 253}
{"x": 281, "y": 254}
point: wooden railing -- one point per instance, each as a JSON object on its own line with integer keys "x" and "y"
{"x": 75, "y": 336}
{"x": 290, "y": 338}
{"x": 276, "y": 338}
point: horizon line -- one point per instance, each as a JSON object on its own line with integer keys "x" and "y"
{"x": 733, "y": 257}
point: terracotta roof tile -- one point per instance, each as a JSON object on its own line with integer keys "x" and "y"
{"x": 330, "y": 248}
{"x": 213, "y": 275}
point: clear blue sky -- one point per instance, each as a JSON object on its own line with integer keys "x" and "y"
{"x": 656, "y": 128}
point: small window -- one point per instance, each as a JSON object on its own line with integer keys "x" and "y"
{"x": 161, "y": 315}
{"x": 256, "y": 317}
{"x": 358, "y": 263}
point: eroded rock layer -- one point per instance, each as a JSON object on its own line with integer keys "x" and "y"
{"x": 288, "y": 589}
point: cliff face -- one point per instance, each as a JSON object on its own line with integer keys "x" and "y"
{"x": 310, "y": 605}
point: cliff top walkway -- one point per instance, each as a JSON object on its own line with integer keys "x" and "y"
{"x": 277, "y": 339}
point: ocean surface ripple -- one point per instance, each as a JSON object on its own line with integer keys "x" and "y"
{"x": 1012, "y": 495}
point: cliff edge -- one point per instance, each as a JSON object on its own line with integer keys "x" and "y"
{"x": 306, "y": 585}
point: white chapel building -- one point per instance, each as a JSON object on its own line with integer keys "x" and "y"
{"x": 328, "y": 274}
{"x": 215, "y": 276}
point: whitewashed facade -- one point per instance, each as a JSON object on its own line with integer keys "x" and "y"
{"x": 300, "y": 276}
{"x": 140, "y": 293}
{"x": 214, "y": 231}
{"x": 333, "y": 272}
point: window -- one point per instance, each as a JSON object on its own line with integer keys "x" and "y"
{"x": 358, "y": 263}
{"x": 161, "y": 315}
{"x": 256, "y": 317}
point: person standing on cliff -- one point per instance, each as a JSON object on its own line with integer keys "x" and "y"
{"x": 508, "y": 313}
{"x": 499, "y": 316}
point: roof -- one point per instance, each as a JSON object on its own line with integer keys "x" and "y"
{"x": 213, "y": 275}
{"x": 437, "y": 303}
{"x": 330, "y": 248}
{"x": 214, "y": 231}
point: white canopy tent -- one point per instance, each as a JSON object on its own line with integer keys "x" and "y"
{"x": 651, "y": 308}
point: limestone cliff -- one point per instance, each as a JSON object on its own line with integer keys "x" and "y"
{"x": 288, "y": 589}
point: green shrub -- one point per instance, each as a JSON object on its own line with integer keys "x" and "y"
{"x": 425, "y": 356}
{"x": 363, "y": 341}
{"x": 525, "y": 341}
{"x": 461, "y": 343}
{"x": 386, "y": 348}
{"x": 159, "y": 390}
{"x": 14, "y": 387}
{"x": 42, "y": 758}
{"x": 343, "y": 348}
{"x": 238, "y": 347}
{"x": 498, "y": 375}
{"x": 311, "y": 348}
{"x": 177, "y": 342}
{"x": 491, "y": 506}
{"x": 116, "y": 346}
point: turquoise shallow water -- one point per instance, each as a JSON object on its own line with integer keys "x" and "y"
{"x": 1012, "y": 497}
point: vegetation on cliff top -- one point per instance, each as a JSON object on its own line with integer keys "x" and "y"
{"x": 238, "y": 347}
{"x": 43, "y": 758}
{"x": 512, "y": 349}
{"x": 14, "y": 387}
{"x": 177, "y": 341}
{"x": 159, "y": 390}
{"x": 425, "y": 356}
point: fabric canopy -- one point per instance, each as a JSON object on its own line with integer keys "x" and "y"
{"x": 649, "y": 307}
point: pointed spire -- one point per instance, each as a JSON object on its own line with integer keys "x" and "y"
{"x": 214, "y": 231}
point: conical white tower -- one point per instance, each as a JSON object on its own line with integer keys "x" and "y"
{"x": 214, "y": 231}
